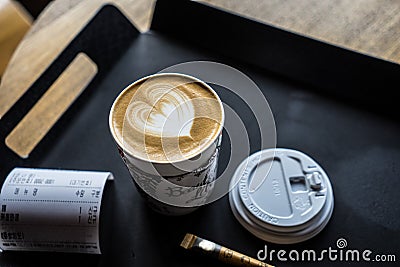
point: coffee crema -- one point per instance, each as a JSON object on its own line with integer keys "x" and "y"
{"x": 166, "y": 118}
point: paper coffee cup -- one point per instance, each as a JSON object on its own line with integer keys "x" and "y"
{"x": 168, "y": 130}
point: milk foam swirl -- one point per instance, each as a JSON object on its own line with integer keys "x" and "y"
{"x": 167, "y": 112}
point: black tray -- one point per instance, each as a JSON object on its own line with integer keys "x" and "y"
{"x": 358, "y": 148}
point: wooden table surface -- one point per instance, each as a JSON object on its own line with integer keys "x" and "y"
{"x": 368, "y": 26}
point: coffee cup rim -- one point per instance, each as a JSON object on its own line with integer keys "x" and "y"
{"x": 130, "y": 153}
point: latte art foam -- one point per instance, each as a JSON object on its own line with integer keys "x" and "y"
{"x": 171, "y": 116}
{"x": 167, "y": 118}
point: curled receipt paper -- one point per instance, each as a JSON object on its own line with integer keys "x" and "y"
{"x": 51, "y": 210}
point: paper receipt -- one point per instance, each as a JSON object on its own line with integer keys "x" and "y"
{"x": 51, "y": 210}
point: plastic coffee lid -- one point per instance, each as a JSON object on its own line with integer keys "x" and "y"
{"x": 281, "y": 196}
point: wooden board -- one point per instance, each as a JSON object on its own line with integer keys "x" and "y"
{"x": 51, "y": 106}
{"x": 45, "y": 42}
